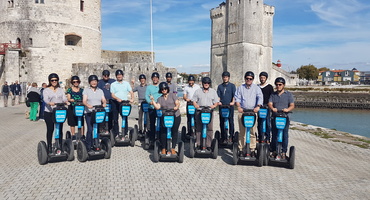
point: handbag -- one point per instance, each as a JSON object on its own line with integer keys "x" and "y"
{"x": 28, "y": 102}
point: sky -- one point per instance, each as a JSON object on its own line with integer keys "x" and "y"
{"x": 326, "y": 33}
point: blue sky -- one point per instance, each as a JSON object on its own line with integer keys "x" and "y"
{"x": 326, "y": 33}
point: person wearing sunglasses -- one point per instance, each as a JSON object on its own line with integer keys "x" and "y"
{"x": 52, "y": 94}
{"x": 280, "y": 100}
{"x": 248, "y": 96}
{"x": 74, "y": 94}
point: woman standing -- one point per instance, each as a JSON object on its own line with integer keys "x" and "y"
{"x": 74, "y": 94}
{"x": 168, "y": 101}
{"x": 52, "y": 94}
{"x": 33, "y": 96}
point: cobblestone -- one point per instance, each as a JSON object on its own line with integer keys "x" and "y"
{"x": 324, "y": 170}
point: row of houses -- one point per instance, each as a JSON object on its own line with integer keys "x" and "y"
{"x": 336, "y": 77}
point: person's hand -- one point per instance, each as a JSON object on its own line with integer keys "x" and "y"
{"x": 72, "y": 100}
{"x": 175, "y": 108}
{"x": 90, "y": 106}
{"x": 67, "y": 103}
{"x": 119, "y": 100}
{"x": 151, "y": 97}
{"x": 285, "y": 110}
{"x": 256, "y": 109}
{"x": 52, "y": 104}
{"x": 131, "y": 101}
{"x": 104, "y": 105}
{"x": 240, "y": 109}
{"x": 219, "y": 103}
{"x": 274, "y": 110}
{"x": 232, "y": 103}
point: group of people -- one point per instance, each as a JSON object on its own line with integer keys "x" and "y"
{"x": 14, "y": 90}
{"x": 163, "y": 96}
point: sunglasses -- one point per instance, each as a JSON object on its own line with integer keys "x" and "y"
{"x": 54, "y": 80}
{"x": 280, "y": 84}
{"x": 249, "y": 79}
{"x": 206, "y": 83}
{"x": 75, "y": 81}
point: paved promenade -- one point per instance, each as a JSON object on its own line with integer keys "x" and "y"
{"x": 324, "y": 170}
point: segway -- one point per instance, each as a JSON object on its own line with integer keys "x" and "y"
{"x": 262, "y": 140}
{"x": 101, "y": 148}
{"x": 206, "y": 117}
{"x": 104, "y": 131}
{"x": 225, "y": 113}
{"x": 145, "y": 108}
{"x": 289, "y": 161}
{"x": 190, "y": 110}
{"x": 124, "y": 139}
{"x": 168, "y": 121}
{"x": 62, "y": 149}
{"x": 248, "y": 121}
{"x": 147, "y": 144}
{"x": 78, "y": 111}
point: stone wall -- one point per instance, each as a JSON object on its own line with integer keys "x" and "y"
{"x": 127, "y": 56}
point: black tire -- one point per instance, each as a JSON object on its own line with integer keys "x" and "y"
{"x": 69, "y": 148}
{"x": 260, "y": 154}
{"x": 236, "y": 137}
{"x": 42, "y": 153}
{"x": 133, "y": 133}
{"x": 81, "y": 152}
{"x": 156, "y": 152}
{"x": 235, "y": 153}
{"x": 266, "y": 150}
{"x": 107, "y": 147}
{"x": 146, "y": 141}
{"x": 218, "y": 135}
{"x": 214, "y": 148}
{"x": 191, "y": 147}
{"x": 112, "y": 140}
{"x": 136, "y": 129}
{"x": 68, "y": 135}
{"x": 183, "y": 134}
{"x": 181, "y": 152}
{"x": 291, "y": 157}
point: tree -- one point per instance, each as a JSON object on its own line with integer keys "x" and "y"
{"x": 324, "y": 69}
{"x": 308, "y": 72}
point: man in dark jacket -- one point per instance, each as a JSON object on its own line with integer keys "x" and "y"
{"x": 16, "y": 90}
{"x": 5, "y": 92}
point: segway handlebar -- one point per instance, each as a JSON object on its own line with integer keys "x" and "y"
{"x": 205, "y": 108}
{"x": 60, "y": 104}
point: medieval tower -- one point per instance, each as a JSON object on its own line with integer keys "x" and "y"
{"x": 242, "y": 40}
{"x": 39, "y": 37}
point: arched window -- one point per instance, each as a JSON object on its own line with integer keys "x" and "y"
{"x": 82, "y": 5}
{"x": 73, "y": 40}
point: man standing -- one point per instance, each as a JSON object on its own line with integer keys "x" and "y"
{"x": 281, "y": 100}
{"x": 141, "y": 89}
{"x": 152, "y": 91}
{"x": 248, "y": 96}
{"x": 119, "y": 90}
{"x": 16, "y": 93}
{"x": 267, "y": 90}
{"x": 172, "y": 86}
{"x": 205, "y": 96}
{"x": 188, "y": 95}
{"x": 226, "y": 92}
{"x": 104, "y": 84}
{"x": 5, "y": 90}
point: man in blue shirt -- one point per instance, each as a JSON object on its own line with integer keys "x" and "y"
{"x": 119, "y": 90}
{"x": 104, "y": 84}
{"x": 226, "y": 92}
{"x": 152, "y": 91}
{"x": 248, "y": 96}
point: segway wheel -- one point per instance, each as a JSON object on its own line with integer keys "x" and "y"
{"x": 235, "y": 154}
{"x": 107, "y": 147}
{"x": 236, "y": 137}
{"x": 191, "y": 147}
{"x": 69, "y": 148}
{"x": 68, "y": 135}
{"x": 214, "y": 148}
{"x": 156, "y": 151}
{"x": 146, "y": 141}
{"x": 183, "y": 134}
{"x": 218, "y": 135}
{"x": 266, "y": 150}
{"x": 42, "y": 153}
{"x": 133, "y": 134}
{"x": 260, "y": 154}
{"x": 291, "y": 157}
{"x": 112, "y": 140}
{"x": 136, "y": 130}
{"x": 81, "y": 152}
{"x": 181, "y": 152}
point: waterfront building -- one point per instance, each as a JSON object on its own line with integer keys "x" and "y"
{"x": 337, "y": 77}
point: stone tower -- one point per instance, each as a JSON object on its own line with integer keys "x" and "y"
{"x": 49, "y": 35}
{"x": 242, "y": 40}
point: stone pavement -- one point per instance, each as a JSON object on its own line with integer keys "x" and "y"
{"x": 324, "y": 170}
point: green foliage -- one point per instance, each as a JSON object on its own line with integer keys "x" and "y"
{"x": 323, "y": 69}
{"x": 308, "y": 72}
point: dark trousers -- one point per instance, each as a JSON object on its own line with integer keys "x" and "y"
{"x": 50, "y": 128}
{"x": 102, "y": 126}
{"x": 267, "y": 135}
{"x": 89, "y": 133}
{"x": 42, "y": 108}
{"x": 190, "y": 130}
{"x": 275, "y": 135}
{"x": 224, "y": 136}
{"x": 116, "y": 109}
{"x": 152, "y": 119}
{"x": 174, "y": 133}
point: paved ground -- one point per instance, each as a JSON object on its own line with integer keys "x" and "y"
{"x": 324, "y": 170}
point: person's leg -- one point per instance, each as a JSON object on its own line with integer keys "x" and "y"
{"x": 89, "y": 131}
{"x": 32, "y": 110}
{"x": 115, "y": 114}
{"x": 241, "y": 133}
{"x": 140, "y": 110}
{"x": 268, "y": 126}
{"x": 6, "y": 100}
{"x": 274, "y": 135}
{"x": 253, "y": 135}
{"x": 198, "y": 128}
{"x": 231, "y": 123}
{"x": 152, "y": 118}
{"x": 286, "y": 136}
{"x": 260, "y": 129}
{"x": 210, "y": 133}
{"x": 49, "y": 129}
{"x": 223, "y": 135}
{"x": 175, "y": 131}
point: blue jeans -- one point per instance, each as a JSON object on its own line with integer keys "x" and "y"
{"x": 267, "y": 135}
{"x": 275, "y": 136}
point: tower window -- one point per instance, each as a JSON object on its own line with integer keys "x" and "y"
{"x": 73, "y": 40}
{"x": 31, "y": 42}
{"x": 82, "y": 5}
{"x": 39, "y": 1}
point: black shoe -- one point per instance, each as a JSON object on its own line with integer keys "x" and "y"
{"x": 253, "y": 154}
{"x": 50, "y": 149}
{"x": 73, "y": 137}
